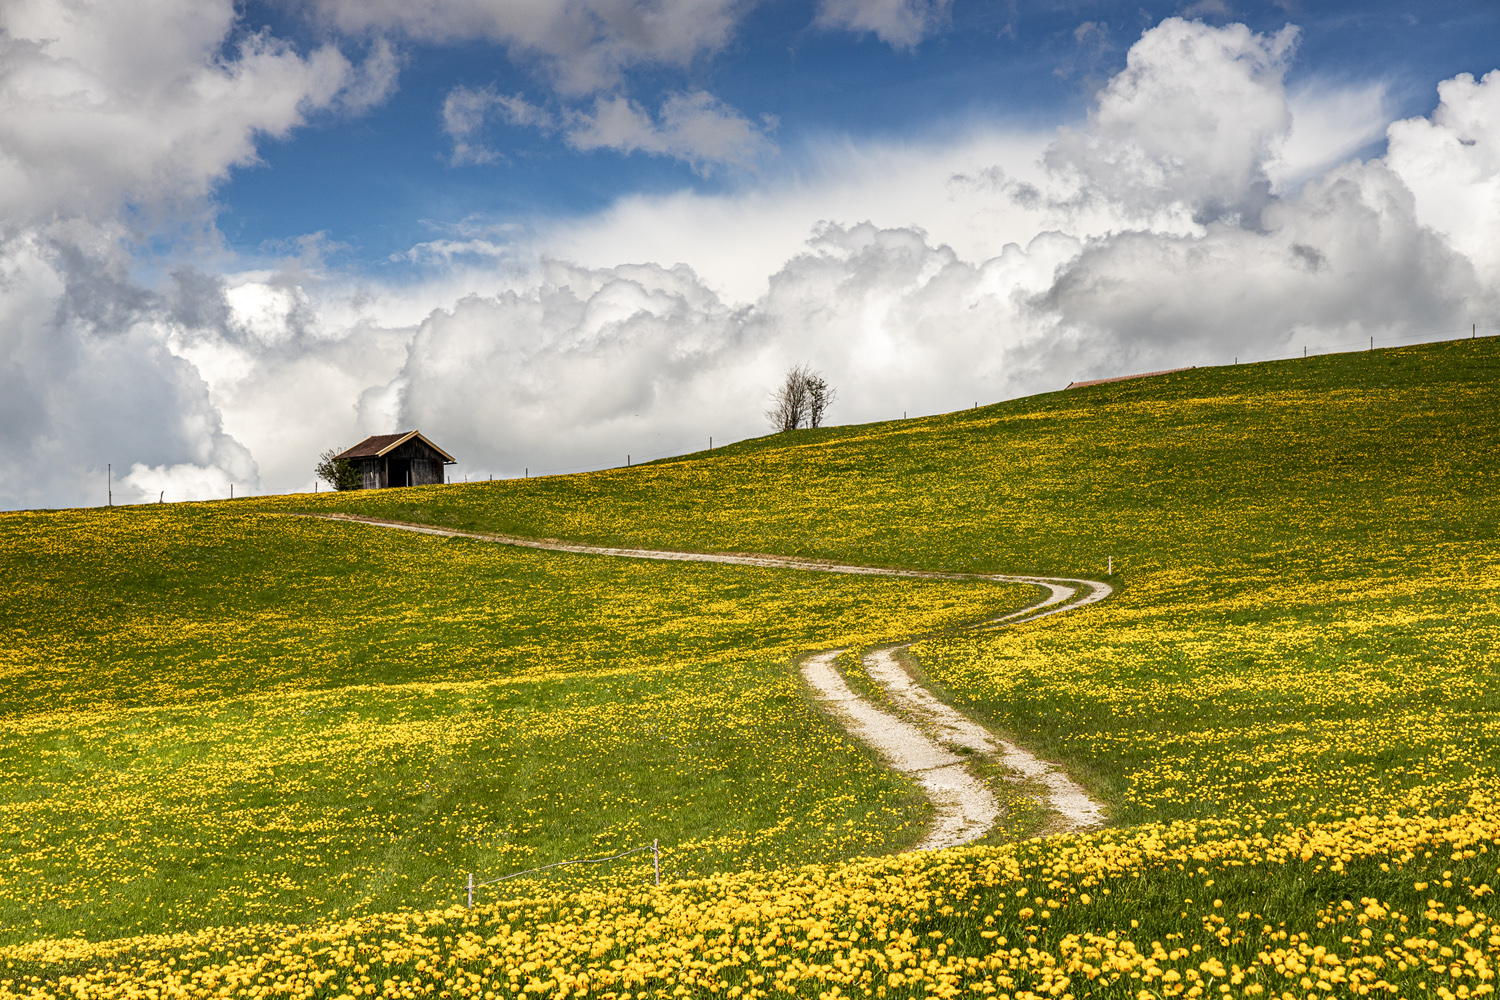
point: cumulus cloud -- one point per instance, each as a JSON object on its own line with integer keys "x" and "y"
{"x": 1183, "y": 134}
{"x": 1345, "y": 259}
{"x": 115, "y": 121}
{"x": 102, "y": 103}
{"x": 902, "y": 24}
{"x": 583, "y": 365}
{"x": 1451, "y": 164}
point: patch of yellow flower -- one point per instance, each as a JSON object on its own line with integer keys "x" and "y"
{"x": 219, "y": 718}
{"x": 1018, "y": 922}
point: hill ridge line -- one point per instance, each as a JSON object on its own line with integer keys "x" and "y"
{"x": 927, "y": 750}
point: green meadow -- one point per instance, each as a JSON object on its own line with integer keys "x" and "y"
{"x": 223, "y": 715}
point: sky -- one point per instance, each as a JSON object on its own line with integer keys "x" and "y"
{"x": 553, "y": 233}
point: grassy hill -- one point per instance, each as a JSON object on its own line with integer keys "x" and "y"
{"x": 218, "y": 715}
{"x": 213, "y": 713}
{"x": 1307, "y": 552}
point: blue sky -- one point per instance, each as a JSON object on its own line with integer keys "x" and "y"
{"x": 551, "y": 233}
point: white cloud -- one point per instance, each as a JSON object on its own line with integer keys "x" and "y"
{"x": 88, "y": 378}
{"x": 901, "y": 24}
{"x": 111, "y": 112}
{"x": 1183, "y": 134}
{"x": 583, "y": 45}
{"x": 102, "y": 103}
{"x": 950, "y": 186}
{"x": 373, "y": 81}
{"x": 1345, "y": 259}
{"x": 694, "y": 127}
{"x": 471, "y": 238}
{"x": 465, "y": 111}
{"x": 444, "y": 251}
{"x": 1451, "y": 163}
{"x": 581, "y": 366}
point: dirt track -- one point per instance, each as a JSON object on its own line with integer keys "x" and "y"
{"x": 926, "y": 744}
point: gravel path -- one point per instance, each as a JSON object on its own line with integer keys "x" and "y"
{"x": 926, "y": 744}
{"x": 963, "y": 808}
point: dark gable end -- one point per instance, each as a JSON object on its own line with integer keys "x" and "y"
{"x": 404, "y": 459}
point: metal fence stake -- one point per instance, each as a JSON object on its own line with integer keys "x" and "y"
{"x": 471, "y": 890}
{"x": 656, "y": 860}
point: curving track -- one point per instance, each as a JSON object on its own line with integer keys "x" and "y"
{"x": 933, "y": 740}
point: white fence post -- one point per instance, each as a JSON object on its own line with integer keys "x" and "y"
{"x": 471, "y": 890}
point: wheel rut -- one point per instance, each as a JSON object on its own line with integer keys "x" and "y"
{"x": 933, "y": 742}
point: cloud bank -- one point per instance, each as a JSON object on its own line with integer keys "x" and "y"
{"x": 1189, "y": 219}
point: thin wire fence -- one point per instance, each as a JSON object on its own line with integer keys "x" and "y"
{"x": 654, "y": 847}
{"x": 1369, "y": 343}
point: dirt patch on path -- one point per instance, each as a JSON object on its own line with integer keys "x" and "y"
{"x": 951, "y": 728}
{"x": 964, "y": 807}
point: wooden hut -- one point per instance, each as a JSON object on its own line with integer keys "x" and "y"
{"x": 403, "y": 459}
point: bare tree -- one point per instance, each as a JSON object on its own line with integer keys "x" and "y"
{"x": 801, "y": 401}
{"x": 789, "y": 402}
{"x": 820, "y": 396}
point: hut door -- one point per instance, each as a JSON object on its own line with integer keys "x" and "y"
{"x": 400, "y": 472}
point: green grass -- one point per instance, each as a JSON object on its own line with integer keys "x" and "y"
{"x": 1305, "y": 631}
{"x": 216, "y": 715}
{"x": 1306, "y": 553}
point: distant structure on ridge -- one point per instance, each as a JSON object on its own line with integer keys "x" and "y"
{"x": 402, "y": 459}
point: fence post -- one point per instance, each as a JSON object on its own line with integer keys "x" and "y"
{"x": 656, "y": 860}
{"x": 471, "y": 890}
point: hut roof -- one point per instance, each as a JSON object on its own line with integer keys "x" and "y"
{"x": 377, "y": 445}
